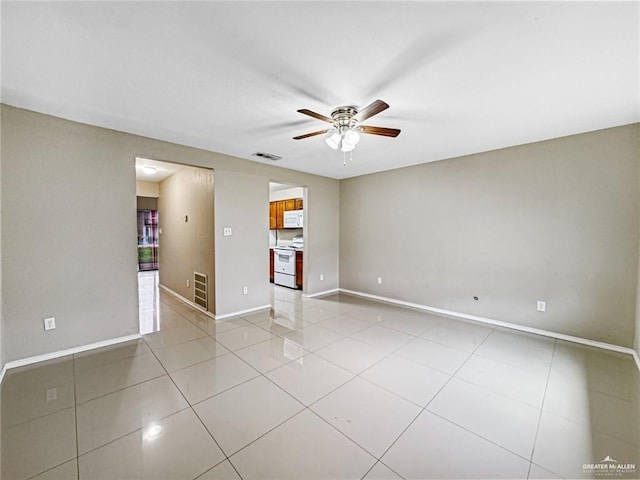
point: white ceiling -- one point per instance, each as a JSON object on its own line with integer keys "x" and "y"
{"x": 229, "y": 76}
{"x": 163, "y": 170}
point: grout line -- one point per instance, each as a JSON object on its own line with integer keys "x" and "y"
{"x": 544, "y": 397}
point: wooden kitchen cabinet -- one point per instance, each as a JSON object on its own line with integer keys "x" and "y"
{"x": 299, "y": 270}
{"x": 272, "y": 215}
{"x": 271, "y": 265}
{"x": 279, "y": 214}
{"x": 277, "y": 209}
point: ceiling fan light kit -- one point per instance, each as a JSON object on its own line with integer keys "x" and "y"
{"x": 346, "y": 130}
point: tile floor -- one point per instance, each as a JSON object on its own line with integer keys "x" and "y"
{"x": 328, "y": 388}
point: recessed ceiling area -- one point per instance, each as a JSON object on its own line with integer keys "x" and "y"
{"x": 148, "y": 170}
{"x": 229, "y": 77}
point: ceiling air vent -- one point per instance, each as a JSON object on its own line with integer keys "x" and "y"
{"x": 267, "y": 156}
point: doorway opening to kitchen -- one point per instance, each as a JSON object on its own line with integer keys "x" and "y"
{"x": 287, "y": 235}
{"x": 175, "y": 212}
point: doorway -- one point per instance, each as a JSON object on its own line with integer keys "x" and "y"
{"x": 287, "y": 235}
{"x": 175, "y": 218}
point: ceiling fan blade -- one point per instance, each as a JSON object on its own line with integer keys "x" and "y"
{"x": 386, "y": 132}
{"x": 315, "y": 115}
{"x": 371, "y": 110}
{"x": 307, "y": 135}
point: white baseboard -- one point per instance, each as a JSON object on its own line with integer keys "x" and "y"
{"x": 242, "y": 312}
{"x": 63, "y": 353}
{"x": 499, "y": 323}
{"x": 321, "y": 294}
{"x": 209, "y": 314}
{"x": 187, "y": 301}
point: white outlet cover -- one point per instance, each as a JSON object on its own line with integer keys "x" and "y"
{"x": 379, "y": 280}
{"x": 52, "y": 394}
{"x": 50, "y": 323}
{"x": 541, "y": 306}
{"x": 227, "y": 231}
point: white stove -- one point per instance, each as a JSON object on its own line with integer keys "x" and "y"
{"x": 284, "y": 266}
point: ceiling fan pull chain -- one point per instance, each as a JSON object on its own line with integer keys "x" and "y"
{"x": 344, "y": 159}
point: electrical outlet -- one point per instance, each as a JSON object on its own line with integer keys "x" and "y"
{"x": 541, "y": 306}
{"x": 379, "y": 280}
{"x": 52, "y": 394}
{"x": 245, "y": 290}
{"x": 50, "y": 323}
{"x": 227, "y": 231}
{"x": 321, "y": 276}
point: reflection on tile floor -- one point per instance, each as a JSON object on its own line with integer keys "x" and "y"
{"x": 326, "y": 388}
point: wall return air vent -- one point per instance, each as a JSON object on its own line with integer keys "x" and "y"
{"x": 200, "y": 290}
{"x": 268, "y": 156}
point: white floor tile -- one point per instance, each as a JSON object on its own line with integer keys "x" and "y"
{"x": 434, "y": 355}
{"x": 176, "y": 447}
{"x": 211, "y": 377}
{"x": 433, "y": 448}
{"x": 222, "y": 471}
{"x": 173, "y": 336}
{"x": 352, "y": 355}
{"x": 112, "y": 416}
{"x": 527, "y": 386}
{"x": 383, "y": 338}
{"x": 369, "y": 415}
{"x": 39, "y": 445}
{"x": 270, "y": 354}
{"x": 564, "y": 447}
{"x": 95, "y": 382}
{"x": 314, "y": 337}
{"x": 242, "y": 414}
{"x": 406, "y": 378}
{"x": 242, "y": 337}
{"x": 66, "y": 471}
{"x": 506, "y": 422}
{"x": 344, "y": 325}
{"x": 35, "y": 392}
{"x": 189, "y": 353}
{"x": 597, "y": 411}
{"x": 291, "y": 452}
{"x": 458, "y": 334}
{"x": 539, "y": 473}
{"x": 523, "y": 350}
{"x": 309, "y": 415}
{"x": 381, "y": 472}
{"x": 309, "y": 378}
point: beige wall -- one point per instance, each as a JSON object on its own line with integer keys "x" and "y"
{"x": 556, "y": 221}
{"x": 2, "y": 360}
{"x": 295, "y": 192}
{"x": 63, "y": 256}
{"x": 85, "y": 270}
{"x": 147, "y": 189}
{"x": 637, "y": 338}
{"x": 242, "y": 259}
{"x": 187, "y": 247}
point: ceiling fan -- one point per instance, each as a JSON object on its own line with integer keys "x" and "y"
{"x": 346, "y": 128}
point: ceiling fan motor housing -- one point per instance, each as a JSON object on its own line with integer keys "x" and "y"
{"x": 343, "y": 117}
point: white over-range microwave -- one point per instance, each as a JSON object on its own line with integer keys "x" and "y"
{"x": 293, "y": 219}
